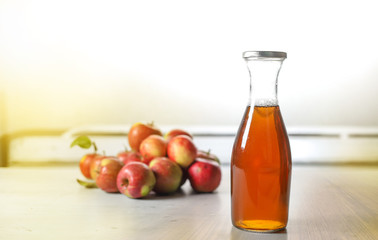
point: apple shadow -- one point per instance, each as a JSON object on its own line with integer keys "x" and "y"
{"x": 192, "y": 192}
{"x": 180, "y": 193}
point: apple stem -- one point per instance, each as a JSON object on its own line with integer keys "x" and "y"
{"x": 125, "y": 183}
{"x": 95, "y": 147}
{"x": 126, "y": 148}
{"x": 208, "y": 152}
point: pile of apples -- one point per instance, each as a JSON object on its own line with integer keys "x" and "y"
{"x": 155, "y": 163}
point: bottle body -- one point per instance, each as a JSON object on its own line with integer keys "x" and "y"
{"x": 261, "y": 170}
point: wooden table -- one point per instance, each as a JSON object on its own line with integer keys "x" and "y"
{"x": 327, "y": 202}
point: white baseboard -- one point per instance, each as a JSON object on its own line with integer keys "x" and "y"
{"x": 308, "y": 145}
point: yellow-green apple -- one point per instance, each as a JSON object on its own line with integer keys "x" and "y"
{"x": 168, "y": 175}
{"x": 207, "y": 155}
{"x": 151, "y": 147}
{"x": 138, "y": 132}
{"x": 182, "y": 150}
{"x": 95, "y": 165}
{"x": 204, "y": 175}
{"x": 85, "y": 163}
{"x": 107, "y": 177}
{"x": 175, "y": 132}
{"x": 129, "y": 156}
{"x": 135, "y": 180}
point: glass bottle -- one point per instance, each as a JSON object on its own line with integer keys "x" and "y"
{"x": 261, "y": 158}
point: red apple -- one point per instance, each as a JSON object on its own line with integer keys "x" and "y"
{"x": 107, "y": 177}
{"x": 135, "y": 180}
{"x": 182, "y": 150}
{"x": 138, "y": 132}
{"x": 153, "y": 146}
{"x": 95, "y": 166}
{"x": 168, "y": 175}
{"x": 129, "y": 156}
{"x": 207, "y": 155}
{"x": 85, "y": 163}
{"x": 204, "y": 175}
{"x": 175, "y": 132}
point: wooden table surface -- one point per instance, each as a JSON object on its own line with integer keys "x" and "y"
{"x": 327, "y": 202}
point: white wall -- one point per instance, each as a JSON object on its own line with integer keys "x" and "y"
{"x": 69, "y": 63}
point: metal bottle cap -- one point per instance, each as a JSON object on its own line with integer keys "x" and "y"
{"x": 264, "y": 54}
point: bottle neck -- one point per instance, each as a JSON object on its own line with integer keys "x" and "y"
{"x": 263, "y": 82}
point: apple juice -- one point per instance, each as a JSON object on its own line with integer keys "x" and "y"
{"x": 261, "y": 171}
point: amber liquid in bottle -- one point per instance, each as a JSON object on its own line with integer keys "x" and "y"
{"x": 261, "y": 171}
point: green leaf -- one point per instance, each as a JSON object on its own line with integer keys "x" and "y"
{"x": 82, "y": 141}
{"x": 87, "y": 184}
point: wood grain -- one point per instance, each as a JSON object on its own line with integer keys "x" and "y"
{"x": 327, "y": 202}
